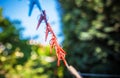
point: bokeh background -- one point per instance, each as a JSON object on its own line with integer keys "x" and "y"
{"x": 88, "y": 30}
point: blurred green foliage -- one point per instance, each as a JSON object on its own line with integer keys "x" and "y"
{"x": 21, "y": 58}
{"x": 92, "y": 35}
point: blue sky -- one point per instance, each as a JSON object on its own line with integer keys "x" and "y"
{"x": 18, "y": 9}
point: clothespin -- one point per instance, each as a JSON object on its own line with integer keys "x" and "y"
{"x": 31, "y": 5}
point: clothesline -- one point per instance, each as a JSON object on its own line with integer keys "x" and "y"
{"x": 53, "y": 44}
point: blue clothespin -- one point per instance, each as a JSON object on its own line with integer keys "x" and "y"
{"x": 32, "y": 3}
